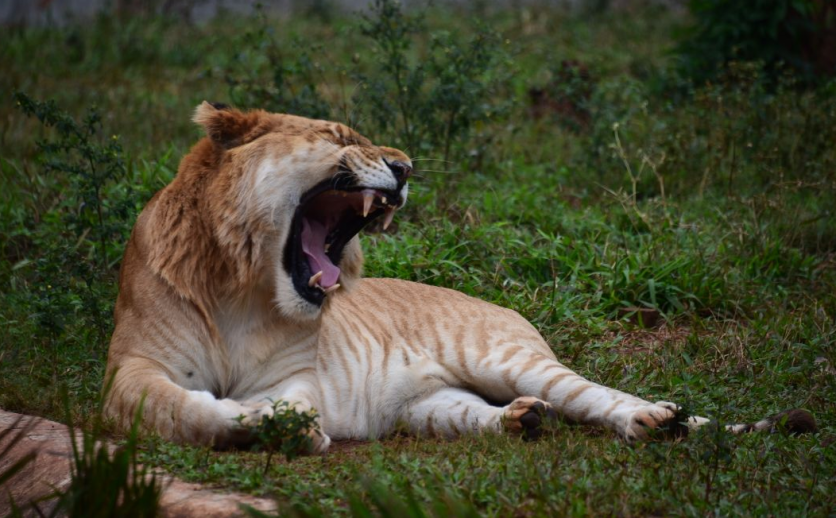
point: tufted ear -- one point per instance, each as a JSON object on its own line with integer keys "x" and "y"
{"x": 229, "y": 127}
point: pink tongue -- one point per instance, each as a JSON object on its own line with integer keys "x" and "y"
{"x": 313, "y": 244}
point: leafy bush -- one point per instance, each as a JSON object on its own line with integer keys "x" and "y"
{"x": 80, "y": 237}
{"x": 293, "y": 81}
{"x": 67, "y": 241}
{"x": 430, "y": 102}
{"x": 422, "y": 91}
{"x": 85, "y": 167}
{"x": 797, "y": 33}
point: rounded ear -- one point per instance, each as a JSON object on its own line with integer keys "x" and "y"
{"x": 227, "y": 126}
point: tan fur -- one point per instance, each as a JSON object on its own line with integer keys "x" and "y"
{"x": 208, "y": 326}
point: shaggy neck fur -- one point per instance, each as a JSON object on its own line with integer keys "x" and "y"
{"x": 207, "y": 251}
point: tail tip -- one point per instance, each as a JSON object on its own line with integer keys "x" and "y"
{"x": 795, "y": 421}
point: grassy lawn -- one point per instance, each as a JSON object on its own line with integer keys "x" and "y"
{"x": 709, "y": 203}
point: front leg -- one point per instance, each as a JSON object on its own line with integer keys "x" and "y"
{"x": 176, "y": 413}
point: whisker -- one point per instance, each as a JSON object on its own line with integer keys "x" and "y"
{"x": 355, "y": 107}
{"x": 421, "y": 159}
{"x": 437, "y": 171}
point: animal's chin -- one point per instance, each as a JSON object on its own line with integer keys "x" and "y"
{"x": 323, "y": 224}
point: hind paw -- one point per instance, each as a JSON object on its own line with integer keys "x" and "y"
{"x": 526, "y": 416}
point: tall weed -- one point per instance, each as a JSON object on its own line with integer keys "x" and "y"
{"x": 105, "y": 483}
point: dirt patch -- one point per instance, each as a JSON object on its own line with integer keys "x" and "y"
{"x": 346, "y": 445}
{"x": 632, "y": 341}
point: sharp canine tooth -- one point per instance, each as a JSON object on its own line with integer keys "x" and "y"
{"x": 331, "y": 289}
{"x": 390, "y": 215}
{"x": 383, "y": 200}
{"x": 368, "y": 199}
{"x": 314, "y": 279}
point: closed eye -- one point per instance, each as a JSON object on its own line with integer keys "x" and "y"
{"x": 343, "y": 179}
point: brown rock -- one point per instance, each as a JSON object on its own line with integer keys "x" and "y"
{"x": 51, "y": 470}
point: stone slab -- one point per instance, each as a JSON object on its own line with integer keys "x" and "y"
{"x": 50, "y": 470}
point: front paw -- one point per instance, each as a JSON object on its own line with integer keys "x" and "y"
{"x": 319, "y": 442}
{"x": 662, "y": 420}
{"x": 240, "y": 420}
{"x": 285, "y": 427}
{"x": 252, "y": 412}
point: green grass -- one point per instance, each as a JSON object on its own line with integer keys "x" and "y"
{"x": 569, "y": 473}
{"x": 709, "y": 203}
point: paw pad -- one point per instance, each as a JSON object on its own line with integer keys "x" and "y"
{"x": 528, "y": 415}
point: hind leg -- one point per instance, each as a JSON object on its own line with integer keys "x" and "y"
{"x": 451, "y": 412}
{"x": 585, "y": 402}
{"x": 508, "y": 371}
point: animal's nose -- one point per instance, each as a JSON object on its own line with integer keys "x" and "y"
{"x": 401, "y": 170}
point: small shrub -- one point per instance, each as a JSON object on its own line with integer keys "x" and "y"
{"x": 422, "y": 91}
{"x": 286, "y": 431}
{"x": 81, "y": 235}
{"x": 292, "y": 75}
{"x": 430, "y": 101}
{"x": 66, "y": 241}
{"x": 88, "y": 166}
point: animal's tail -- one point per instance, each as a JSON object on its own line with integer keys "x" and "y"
{"x": 795, "y": 421}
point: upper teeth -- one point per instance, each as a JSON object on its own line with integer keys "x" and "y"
{"x": 368, "y": 199}
{"x": 369, "y": 196}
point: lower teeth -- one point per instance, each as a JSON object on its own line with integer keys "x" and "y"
{"x": 314, "y": 280}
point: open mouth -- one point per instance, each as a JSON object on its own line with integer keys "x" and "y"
{"x": 325, "y": 221}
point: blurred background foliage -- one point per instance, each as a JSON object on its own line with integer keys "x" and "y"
{"x": 795, "y": 34}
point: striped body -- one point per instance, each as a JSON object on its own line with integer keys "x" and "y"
{"x": 381, "y": 356}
